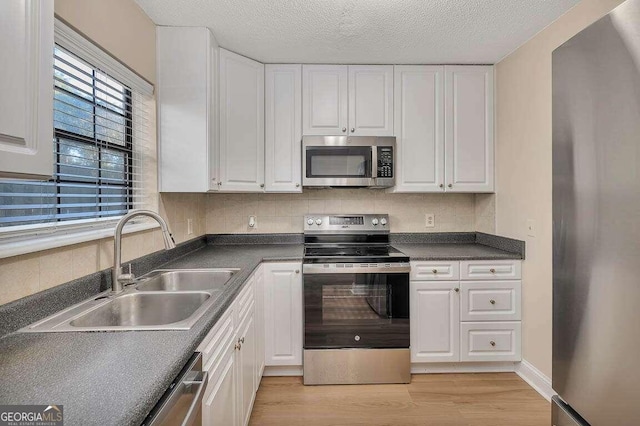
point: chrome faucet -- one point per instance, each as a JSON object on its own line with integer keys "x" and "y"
{"x": 118, "y": 279}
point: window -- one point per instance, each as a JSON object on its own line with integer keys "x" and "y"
{"x": 96, "y": 163}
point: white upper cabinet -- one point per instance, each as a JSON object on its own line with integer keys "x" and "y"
{"x": 469, "y": 128}
{"x": 187, "y": 109}
{"x": 371, "y": 100}
{"x": 283, "y": 128}
{"x": 347, "y": 100}
{"x": 26, "y": 84}
{"x": 419, "y": 128}
{"x": 241, "y": 123}
{"x": 324, "y": 97}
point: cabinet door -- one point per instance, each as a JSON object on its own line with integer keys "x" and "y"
{"x": 283, "y": 314}
{"x": 246, "y": 359}
{"x": 371, "y": 100}
{"x": 469, "y": 128}
{"x": 259, "y": 315}
{"x": 419, "y": 128}
{"x": 26, "y": 84}
{"x": 283, "y": 128}
{"x": 241, "y": 123}
{"x": 219, "y": 403}
{"x": 187, "y": 131}
{"x": 324, "y": 99}
{"x": 435, "y": 321}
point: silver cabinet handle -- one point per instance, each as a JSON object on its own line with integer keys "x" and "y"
{"x": 450, "y": 185}
{"x": 242, "y": 340}
{"x": 297, "y": 185}
{"x": 492, "y": 343}
{"x": 441, "y": 185}
{"x": 344, "y": 129}
{"x": 493, "y": 271}
{"x": 353, "y": 129}
{"x": 493, "y": 302}
{"x": 456, "y": 289}
{"x": 435, "y": 271}
{"x": 262, "y": 185}
{"x": 297, "y": 271}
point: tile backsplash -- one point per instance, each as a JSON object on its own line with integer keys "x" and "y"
{"x": 229, "y": 213}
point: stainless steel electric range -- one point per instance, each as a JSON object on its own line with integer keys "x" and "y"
{"x": 356, "y": 302}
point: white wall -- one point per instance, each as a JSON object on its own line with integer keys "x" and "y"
{"x": 523, "y": 137}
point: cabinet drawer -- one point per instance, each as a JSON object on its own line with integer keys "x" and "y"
{"x": 490, "y": 300}
{"x": 245, "y": 299}
{"x": 435, "y": 271}
{"x": 214, "y": 344}
{"x": 490, "y": 269}
{"x": 490, "y": 341}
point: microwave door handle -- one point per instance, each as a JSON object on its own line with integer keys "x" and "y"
{"x": 374, "y": 162}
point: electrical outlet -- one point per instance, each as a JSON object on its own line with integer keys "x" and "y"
{"x": 189, "y": 226}
{"x": 430, "y": 220}
{"x": 531, "y": 228}
{"x": 253, "y": 222}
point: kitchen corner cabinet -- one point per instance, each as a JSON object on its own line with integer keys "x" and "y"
{"x": 469, "y": 129}
{"x": 444, "y": 128}
{"x": 283, "y": 128}
{"x": 283, "y": 314}
{"x": 187, "y": 84}
{"x": 347, "y": 100}
{"x": 26, "y": 76}
{"x": 465, "y": 311}
{"x": 241, "y": 123}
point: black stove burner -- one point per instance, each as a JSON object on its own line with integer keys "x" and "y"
{"x": 353, "y": 254}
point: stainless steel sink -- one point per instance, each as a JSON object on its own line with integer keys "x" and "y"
{"x": 143, "y": 309}
{"x": 186, "y": 280}
{"x": 161, "y": 300}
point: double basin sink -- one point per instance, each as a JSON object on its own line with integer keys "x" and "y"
{"x": 160, "y": 300}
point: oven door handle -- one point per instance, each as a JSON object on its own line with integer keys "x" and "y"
{"x": 322, "y": 268}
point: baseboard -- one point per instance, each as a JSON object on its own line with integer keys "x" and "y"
{"x": 536, "y": 379}
{"x": 282, "y": 370}
{"x": 462, "y": 367}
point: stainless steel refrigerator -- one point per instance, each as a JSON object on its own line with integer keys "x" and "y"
{"x": 596, "y": 223}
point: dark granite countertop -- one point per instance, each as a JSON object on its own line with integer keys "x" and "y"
{"x": 453, "y": 251}
{"x": 116, "y": 378}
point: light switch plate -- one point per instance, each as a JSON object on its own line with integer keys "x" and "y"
{"x": 430, "y": 220}
{"x": 531, "y": 228}
{"x": 253, "y": 222}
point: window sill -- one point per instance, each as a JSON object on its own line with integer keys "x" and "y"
{"x": 38, "y": 240}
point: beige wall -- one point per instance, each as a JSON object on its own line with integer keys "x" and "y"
{"x": 228, "y": 213}
{"x": 118, "y": 26}
{"x": 523, "y": 137}
{"x": 122, "y": 29}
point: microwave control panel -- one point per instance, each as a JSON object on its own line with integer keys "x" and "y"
{"x": 385, "y": 162}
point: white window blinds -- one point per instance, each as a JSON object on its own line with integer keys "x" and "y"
{"x": 101, "y": 144}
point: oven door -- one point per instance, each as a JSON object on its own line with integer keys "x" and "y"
{"x": 356, "y": 310}
{"x": 339, "y": 166}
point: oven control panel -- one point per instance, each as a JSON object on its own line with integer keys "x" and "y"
{"x": 346, "y": 223}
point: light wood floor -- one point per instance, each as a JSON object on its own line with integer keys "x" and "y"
{"x": 492, "y": 399}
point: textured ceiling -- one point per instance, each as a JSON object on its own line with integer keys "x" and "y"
{"x": 364, "y": 31}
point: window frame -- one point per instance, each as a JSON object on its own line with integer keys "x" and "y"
{"x": 24, "y": 239}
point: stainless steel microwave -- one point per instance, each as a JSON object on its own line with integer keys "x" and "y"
{"x": 348, "y": 161}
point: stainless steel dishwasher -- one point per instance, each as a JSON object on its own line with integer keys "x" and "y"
{"x": 182, "y": 403}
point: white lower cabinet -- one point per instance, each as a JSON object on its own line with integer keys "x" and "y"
{"x": 231, "y": 357}
{"x": 283, "y": 314}
{"x": 247, "y": 366}
{"x": 435, "y": 320}
{"x": 459, "y": 319}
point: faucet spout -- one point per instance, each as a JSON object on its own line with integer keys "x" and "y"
{"x": 118, "y": 279}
